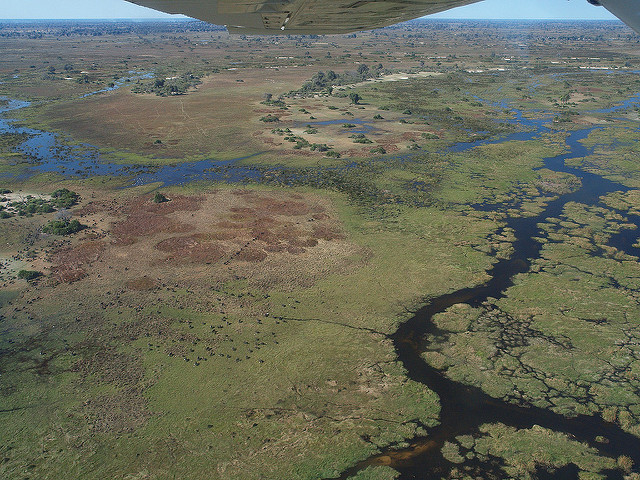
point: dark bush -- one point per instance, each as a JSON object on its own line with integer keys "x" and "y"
{"x": 29, "y": 274}
{"x": 159, "y": 198}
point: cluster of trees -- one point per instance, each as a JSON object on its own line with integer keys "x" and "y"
{"x": 301, "y": 142}
{"x": 64, "y": 198}
{"x": 322, "y": 81}
{"x": 279, "y": 102}
{"x": 63, "y": 227}
{"x": 30, "y": 205}
{"x": 164, "y": 87}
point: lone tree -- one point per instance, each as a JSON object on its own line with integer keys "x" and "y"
{"x": 159, "y": 198}
{"x": 29, "y": 275}
{"x": 355, "y": 98}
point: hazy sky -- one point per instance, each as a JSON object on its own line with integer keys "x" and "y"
{"x": 568, "y": 9}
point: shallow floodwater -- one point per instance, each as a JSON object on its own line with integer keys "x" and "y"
{"x": 47, "y": 153}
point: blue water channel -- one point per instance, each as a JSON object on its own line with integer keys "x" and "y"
{"x": 47, "y": 153}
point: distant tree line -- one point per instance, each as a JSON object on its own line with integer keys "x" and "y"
{"x": 98, "y": 28}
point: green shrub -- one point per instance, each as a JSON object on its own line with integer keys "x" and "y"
{"x": 269, "y": 118}
{"x": 320, "y": 147}
{"x": 430, "y": 136}
{"x": 300, "y": 143}
{"x": 360, "y": 138}
{"x": 63, "y": 227}
{"x": 31, "y": 205}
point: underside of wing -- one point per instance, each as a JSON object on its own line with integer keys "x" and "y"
{"x": 302, "y": 16}
{"x": 626, "y": 10}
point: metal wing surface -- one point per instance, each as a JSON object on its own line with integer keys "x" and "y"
{"x": 333, "y": 16}
{"x": 626, "y": 10}
{"x": 302, "y": 16}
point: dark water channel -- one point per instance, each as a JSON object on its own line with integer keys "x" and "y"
{"x": 463, "y": 408}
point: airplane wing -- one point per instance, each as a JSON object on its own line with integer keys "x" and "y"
{"x": 626, "y": 10}
{"x": 302, "y": 16}
{"x": 332, "y": 16}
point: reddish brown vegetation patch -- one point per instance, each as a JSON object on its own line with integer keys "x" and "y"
{"x": 80, "y": 254}
{"x": 191, "y": 249}
{"x": 147, "y": 218}
{"x": 67, "y": 274}
{"x": 410, "y": 136}
{"x": 252, "y": 254}
{"x": 123, "y": 412}
{"x": 222, "y": 235}
{"x": 176, "y": 244}
{"x": 69, "y": 263}
{"x": 239, "y": 227}
{"x": 143, "y": 224}
{"x": 275, "y": 247}
{"x": 264, "y": 235}
{"x": 112, "y": 367}
{"x": 93, "y": 207}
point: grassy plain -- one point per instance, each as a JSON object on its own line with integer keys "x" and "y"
{"x": 244, "y": 331}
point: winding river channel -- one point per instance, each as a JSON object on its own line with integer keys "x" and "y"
{"x": 463, "y": 408}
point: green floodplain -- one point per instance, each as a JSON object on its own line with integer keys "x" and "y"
{"x": 252, "y": 320}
